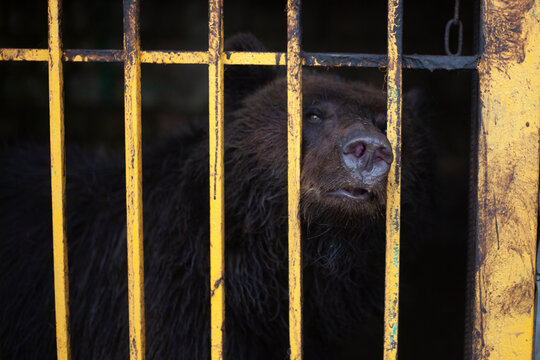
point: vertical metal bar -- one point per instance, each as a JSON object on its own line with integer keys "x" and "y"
{"x": 132, "y": 114}
{"x": 58, "y": 182}
{"x": 294, "y": 140}
{"x": 217, "y": 209}
{"x": 507, "y": 178}
{"x": 393, "y": 189}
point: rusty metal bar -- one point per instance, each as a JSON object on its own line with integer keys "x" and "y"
{"x": 58, "y": 182}
{"x": 294, "y": 141}
{"x": 426, "y": 62}
{"x": 132, "y": 113}
{"x": 216, "y": 72}
{"x": 433, "y": 62}
{"x": 507, "y": 178}
{"x": 393, "y": 190}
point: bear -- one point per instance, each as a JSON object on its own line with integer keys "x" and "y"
{"x": 346, "y": 157}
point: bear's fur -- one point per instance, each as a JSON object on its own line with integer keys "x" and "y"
{"x": 343, "y": 240}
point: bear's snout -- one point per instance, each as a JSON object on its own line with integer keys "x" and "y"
{"x": 367, "y": 154}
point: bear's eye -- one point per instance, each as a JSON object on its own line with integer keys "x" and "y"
{"x": 313, "y": 118}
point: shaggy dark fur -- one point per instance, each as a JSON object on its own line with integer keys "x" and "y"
{"x": 343, "y": 239}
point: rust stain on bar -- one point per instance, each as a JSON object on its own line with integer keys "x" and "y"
{"x": 58, "y": 183}
{"x": 393, "y": 190}
{"x": 507, "y": 178}
{"x": 294, "y": 140}
{"x": 217, "y": 208}
{"x": 132, "y": 104}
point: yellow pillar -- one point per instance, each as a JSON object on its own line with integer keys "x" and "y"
{"x": 508, "y": 169}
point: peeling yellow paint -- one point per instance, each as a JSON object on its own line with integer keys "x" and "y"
{"x": 132, "y": 114}
{"x": 217, "y": 208}
{"x": 393, "y": 189}
{"x": 58, "y": 182}
{"x": 508, "y": 168}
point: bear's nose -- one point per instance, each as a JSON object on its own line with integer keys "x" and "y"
{"x": 367, "y": 154}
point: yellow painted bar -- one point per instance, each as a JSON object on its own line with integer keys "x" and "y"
{"x": 429, "y": 62}
{"x": 217, "y": 207}
{"x": 91, "y": 55}
{"x": 508, "y": 158}
{"x": 58, "y": 182}
{"x": 132, "y": 104}
{"x": 72, "y": 55}
{"x": 294, "y": 140}
{"x": 150, "y": 57}
{"x": 393, "y": 189}
{"x": 174, "y": 57}
{"x": 255, "y": 58}
{"x": 24, "y": 54}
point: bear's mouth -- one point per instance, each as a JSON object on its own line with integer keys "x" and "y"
{"x": 352, "y": 193}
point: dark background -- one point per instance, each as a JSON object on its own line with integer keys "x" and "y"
{"x": 432, "y": 325}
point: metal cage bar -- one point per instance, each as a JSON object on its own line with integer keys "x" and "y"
{"x": 132, "y": 114}
{"x": 58, "y": 182}
{"x": 507, "y": 178}
{"x": 393, "y": 189}
{"x": 216, "y": 148}
{"x": 427, "y": 62}
{"x": 294, "y": 144}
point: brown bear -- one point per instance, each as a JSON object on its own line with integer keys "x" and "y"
{"x": 345, "y": 160}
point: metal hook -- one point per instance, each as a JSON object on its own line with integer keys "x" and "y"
{"x": 449, "y": 25}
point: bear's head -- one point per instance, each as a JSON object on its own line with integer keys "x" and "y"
{"x": 346, "y": 155}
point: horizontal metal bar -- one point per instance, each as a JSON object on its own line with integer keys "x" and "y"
{"x": 439, "y": 62}
{"x": 255, "y": 58}
{"x": 77, "y": 55}
{"x": 345, "y": 60}
{"x": 71, "y": 55}
{"x": 419, "y": 62}
{"x": 24, "y": 55}
{"x": 425, "y": 62}
{"x": 174, "y": 57}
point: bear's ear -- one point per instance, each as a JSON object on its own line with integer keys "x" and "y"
{"x": 243, "y": 80}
